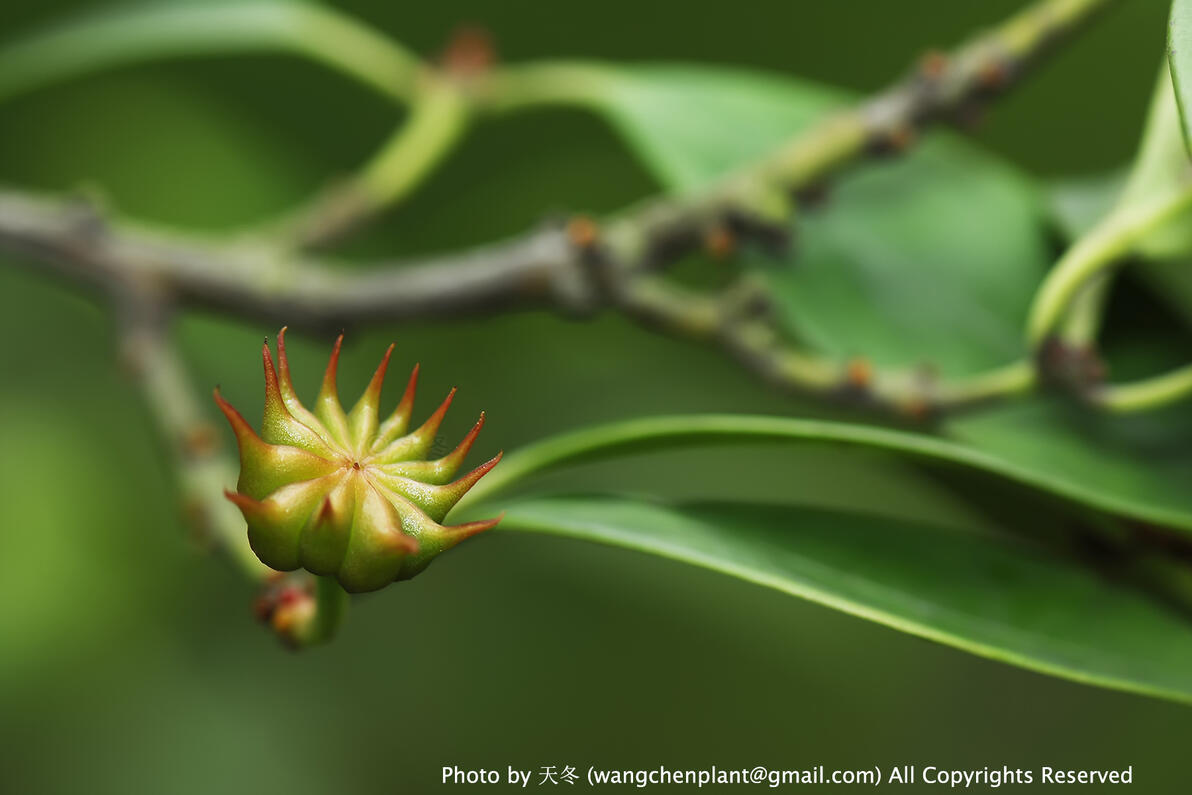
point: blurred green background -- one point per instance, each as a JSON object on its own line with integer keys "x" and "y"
{"x": 130, "y": 662}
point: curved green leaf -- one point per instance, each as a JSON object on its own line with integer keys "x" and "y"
{"x": 932, "y": 257}
{"x": 994, "y": 597}
{"x": 1138, "y": 467}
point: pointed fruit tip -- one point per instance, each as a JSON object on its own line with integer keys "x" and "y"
{"x": 465, "y": 483}
{"x": 431, "y": 426}
{"x": 407, "y": 399}
{"x": 242, "y": 501}
{"x": 464, "y": 531}
{"x": 229, "y": 411}
{"x": 329, "y": 374}
{"x": 267, "y": 361}
{"x": 273, "y": 397}
{"x": 465, "y": 445}
{"x": 378, "y": 379}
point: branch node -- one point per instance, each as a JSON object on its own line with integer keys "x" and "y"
{"x": 1076, "y": 369}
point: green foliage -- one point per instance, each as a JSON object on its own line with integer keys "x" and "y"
{"x": 1179, "y": 51}
{"x": 955, "y": 533}
{"x": 996, "y": 597}
{"x": 947, "y": 237}
{"x": 1160, "y": 169}
{"x": 1135, "y": 467}
{"x": 931, "y": 259}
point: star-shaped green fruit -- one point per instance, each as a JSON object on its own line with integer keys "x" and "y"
{"x": 344, "y": 494}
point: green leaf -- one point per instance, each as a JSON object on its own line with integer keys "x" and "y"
{"x": 1179, "y": 56}
{"x": 1078, "y": 203}
{"x": 932, "y": 257}
{"x": 691, "y": 124}
{"x": 1160, "y": 169}
{"x": 1138, "y": 467}
{"x": 992, "y": 596}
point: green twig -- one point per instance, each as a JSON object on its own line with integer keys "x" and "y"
{"x": 331, "y": 603}
{"x": 1083, "y": 320}
{"x": 740, "y": 321}
{"x": 438, "y": 118}
{"x": 1151, "y": 393}
{"x": 203, "y": 470}
{"x": 1097, "y": 252}
{"x": 580, "y": 274}
{"x": 137, "y": 34}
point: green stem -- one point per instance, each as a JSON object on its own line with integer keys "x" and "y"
{"x": 437, "y": 121}
{"x": 654, "y": 433}
{"x": 1147, "y": 394}
{"x": 1095, "y": 253}
{"x": 1017, "y": 378}
{"x": 331, "y": 603}
{"x": 1083, "y": 322}
{"x": 519, "y": 87}
{"x": 128, "y": 36}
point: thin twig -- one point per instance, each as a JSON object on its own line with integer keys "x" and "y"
{"x": 438, "y": 118}
{"x": 204, "y": 471}
{"x": 300, "y": 609}
{"x": 582, "y": 268}
{"x": 757, "y": 200}
{"x": 742, "y": 321}
{"x": 132, "y": 33}
{"x": 262, "y": 281}
{"x": 1144, "y": 395}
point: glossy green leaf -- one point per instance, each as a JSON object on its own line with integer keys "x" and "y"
{"x": 929, "y": 258}
{"x": 996, "y": 597}
{"x": 1138, "y": 467}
